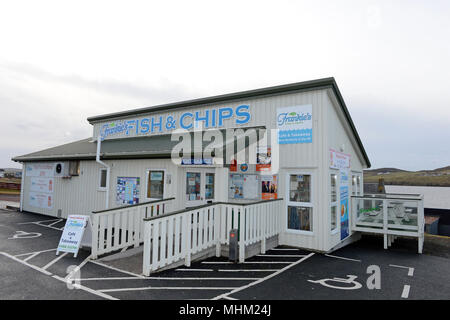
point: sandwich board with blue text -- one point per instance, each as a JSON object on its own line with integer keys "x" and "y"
{"x": 77, "y": 233}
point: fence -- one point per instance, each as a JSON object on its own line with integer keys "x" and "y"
{"x": 391, "y": 215}
{"x": 121, "y": 227}
{"x": 179, "y": 235}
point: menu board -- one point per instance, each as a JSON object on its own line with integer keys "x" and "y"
{"x": 127, "y": 190}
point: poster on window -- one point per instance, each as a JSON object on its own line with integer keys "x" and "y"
{"x": 294, "y": 124}
{"x": 127, "y": 190}
{"x": 41, "y": 200}
{"x": 263, "y": 158}
{"x": 269, "y": 187}
{"x": 236, "y": 186}
{"x": 45, "y": 185}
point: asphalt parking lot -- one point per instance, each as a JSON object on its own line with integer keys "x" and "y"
{"x": 31, "y": 270}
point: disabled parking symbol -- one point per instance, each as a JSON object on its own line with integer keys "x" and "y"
{"x": 343, "y": 284}
{"x": 25, "y": 235}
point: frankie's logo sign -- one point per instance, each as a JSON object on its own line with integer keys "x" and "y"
{"x": 293, "y": 118}
{"x": 209, "y": 118}
{"x": 294, "y": 124}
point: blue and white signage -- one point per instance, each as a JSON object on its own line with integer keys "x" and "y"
{"x": 294, "y": 124}
{"x": 207, "y": 118}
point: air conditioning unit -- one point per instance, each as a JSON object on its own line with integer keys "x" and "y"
{"x": 61, "y": 169}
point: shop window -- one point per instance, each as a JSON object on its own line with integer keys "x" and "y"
{"x": 193, "y": 186}
{"x": 300, "y": 188}
{"x": 333, "y": 201}
{"x": 358, "y": 185}
{"x": 103, "y": 179}
{"x": 74, "y": 168}
{"x": 300, "y": 206}
{"x": 354, "y": 191}
{"x": 300, "y": 218}
{"x": 155, "y": 185}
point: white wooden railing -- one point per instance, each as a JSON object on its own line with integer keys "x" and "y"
{"x": 121, "y": 227}
{"x": 392, "y": 215}
{"x": 179, "y": 235}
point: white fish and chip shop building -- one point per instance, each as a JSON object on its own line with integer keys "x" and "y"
{"x": 307, "y": 155}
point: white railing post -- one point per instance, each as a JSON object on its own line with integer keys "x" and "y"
{"x": 147, "y": 249}
{"x": 137, "y": 227}
{"x": 385, "y": 223}
{"x": 241, "y": 219}
{"x": 263, "y": 228}
{"x": 187, "y": 238}
{"x": 420, "y": 224}
{"x": 217, "y": 226}
{"x": 94, "y": 245}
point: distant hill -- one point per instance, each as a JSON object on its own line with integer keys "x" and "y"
{"x": 393, "y": 176}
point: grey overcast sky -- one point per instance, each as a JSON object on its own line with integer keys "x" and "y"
{"x": 63, "y": 61}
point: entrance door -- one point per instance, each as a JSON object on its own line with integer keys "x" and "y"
{"x": 199, "y": 186}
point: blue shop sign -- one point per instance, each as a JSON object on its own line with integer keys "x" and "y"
{"x": 210, "y": 118}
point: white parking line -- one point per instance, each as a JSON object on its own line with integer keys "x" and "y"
{"x": 248, "y": 262}
{"x": 248, "y": 270}
{"x": 284, "y": 249}
{"x": 35, "y": 222}
{"x": 282, "y": 255}
{"x": 25, "y": 254}
{"x": 167, "y": 288}
{"x": 31, "y": 257}
{"x": 222, "y": 296}
{"x": 79, "y": 286}
{"x": 51, "y": 224}
{"x": 77, "y": 268}
{"x": 165, "y": 278}
{"x": 405, "y": 293}
{"x": 194, "y": 270}
{"x": 343, "y": 258}
{"x": 39, "y": 223}
{"x": 54, "y": 261}
{"x": 410, "y": 269}
{"x": 26, "y": 263}
{"x": 116, "y": 269}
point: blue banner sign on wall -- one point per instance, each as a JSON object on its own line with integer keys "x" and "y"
{"x": 294, "y": 124}
{"x": 344, "y": 174}
{"x": 209, "y": 118}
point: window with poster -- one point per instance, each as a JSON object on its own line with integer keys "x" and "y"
{"x": 300, "y": 203}
{"x": 155, "y": 184}
{"x": 334, "y": 217}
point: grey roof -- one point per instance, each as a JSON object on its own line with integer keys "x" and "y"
{"x": 325, "y": 83}
{"x": 86, "y": 149}
{"x": 158, "y": 146}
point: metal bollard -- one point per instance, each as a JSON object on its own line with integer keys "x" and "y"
{"x": 233, "y": 252}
